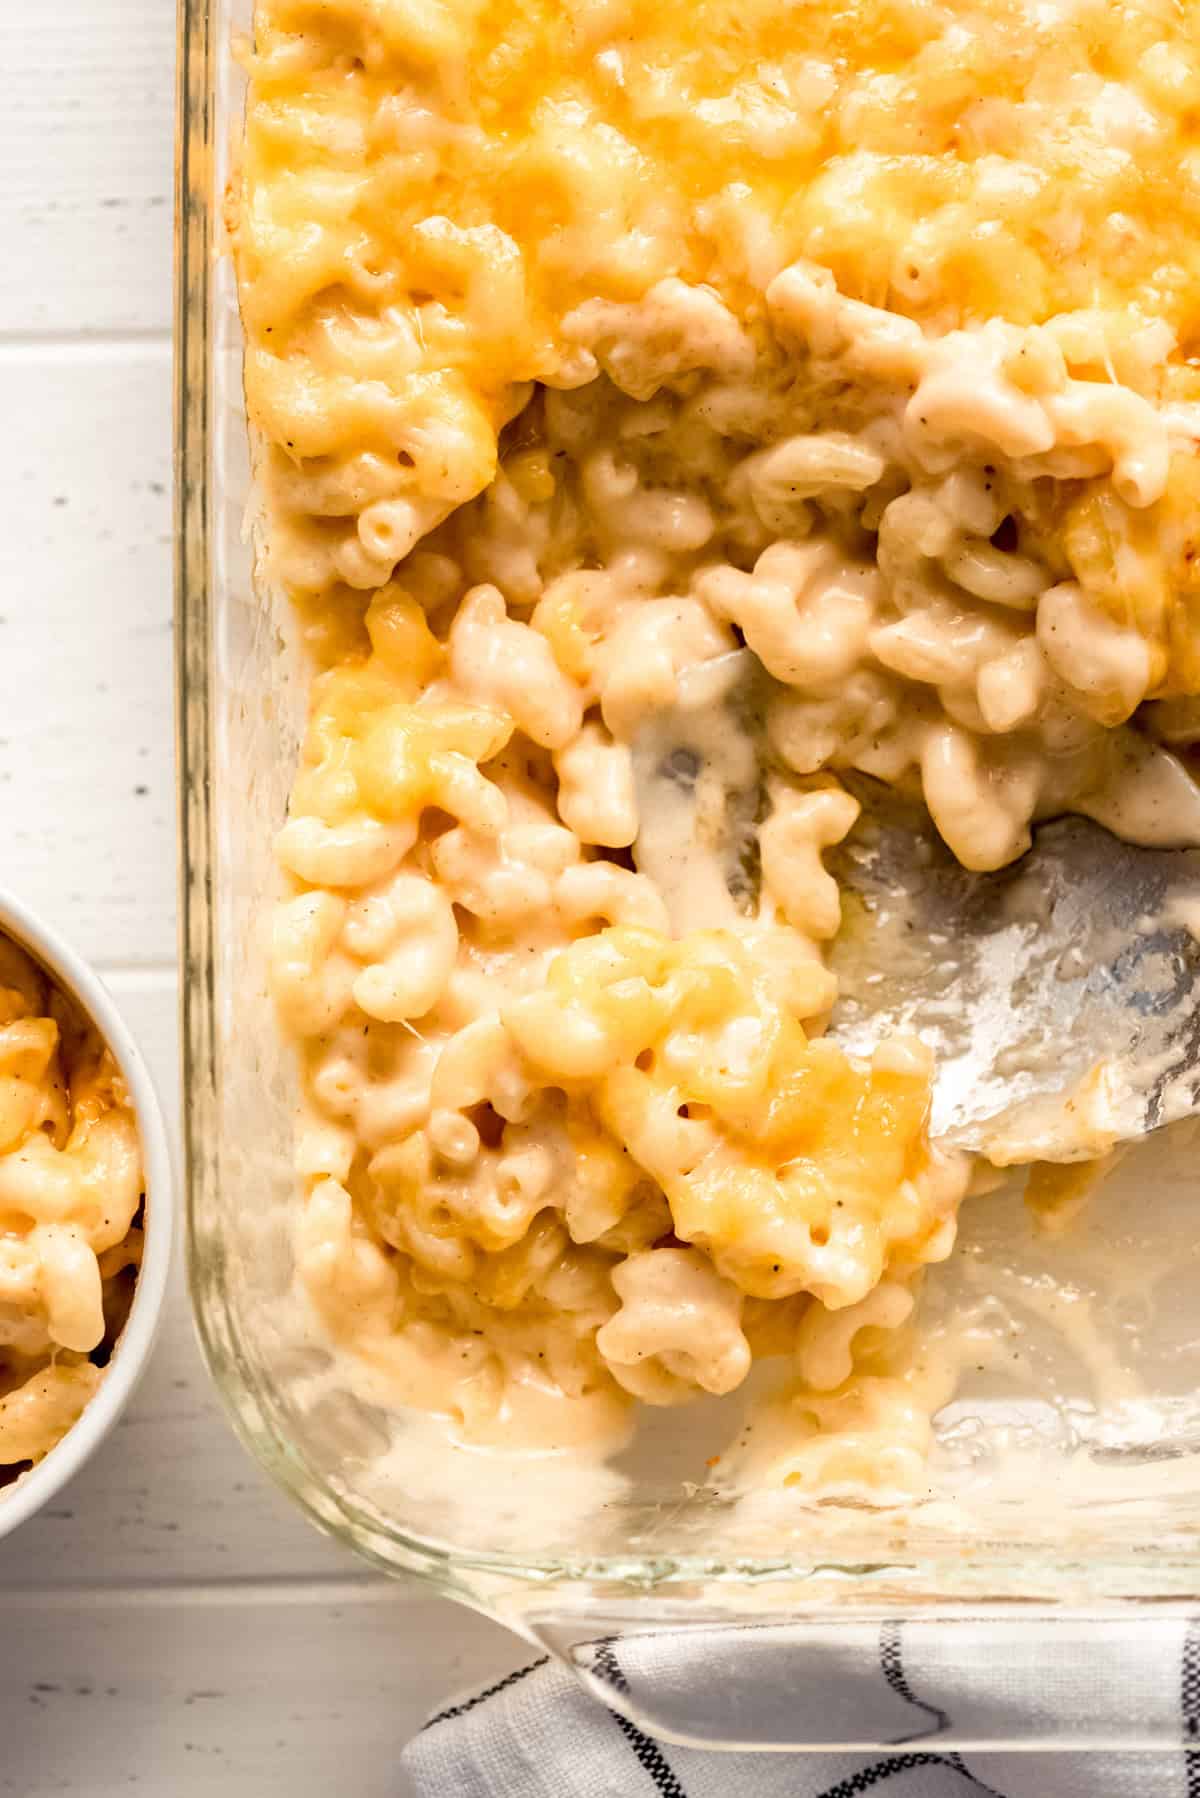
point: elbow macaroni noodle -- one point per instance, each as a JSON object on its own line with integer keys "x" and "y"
{"x": 70, "y": 1194}
{"x": 585, "y": 345}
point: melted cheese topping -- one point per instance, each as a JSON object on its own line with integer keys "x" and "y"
{"x": 432, "y": 186}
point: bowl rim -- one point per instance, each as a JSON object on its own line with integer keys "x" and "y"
{"x": 78, "y": 978}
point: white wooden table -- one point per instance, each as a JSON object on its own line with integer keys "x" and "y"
{"x": 170, "y": 1625}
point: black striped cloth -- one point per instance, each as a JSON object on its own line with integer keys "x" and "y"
{"x": 538, "y": 1733}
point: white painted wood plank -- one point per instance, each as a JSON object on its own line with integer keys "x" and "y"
{"x": 86, "y": 759}
{"x": 229, "y": 1697}
{"x": 86, "y": 146}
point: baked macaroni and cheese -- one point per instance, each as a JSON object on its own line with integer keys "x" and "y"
{"x": 70, "y": 1203}
{"x": 596, "y": 348}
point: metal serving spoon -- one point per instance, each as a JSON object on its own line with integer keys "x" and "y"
{"x": 1061, "y": 995}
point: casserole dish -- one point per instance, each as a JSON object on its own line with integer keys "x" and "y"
{"x": 1060, "y": 1513}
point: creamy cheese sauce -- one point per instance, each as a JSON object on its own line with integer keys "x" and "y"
{"x": 594, "y": 356}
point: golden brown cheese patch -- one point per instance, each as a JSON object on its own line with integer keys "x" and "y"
{"x": 434, "y": 185}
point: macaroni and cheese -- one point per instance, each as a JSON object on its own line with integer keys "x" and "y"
{"x": 70, "y": 1202}
{"x": 590, "y": 347}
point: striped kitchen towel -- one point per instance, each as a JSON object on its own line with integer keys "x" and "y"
{"x": 537, "y": 1733}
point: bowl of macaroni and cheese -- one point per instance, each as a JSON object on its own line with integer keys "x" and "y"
{"x": 86, "y": 1205}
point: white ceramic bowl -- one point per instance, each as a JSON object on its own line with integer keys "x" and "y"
{"x": 74, "y": 976}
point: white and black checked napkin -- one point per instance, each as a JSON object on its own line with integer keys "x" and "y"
{"x": 537, "y": 1734}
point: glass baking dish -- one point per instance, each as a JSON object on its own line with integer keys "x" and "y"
{"x": 1062, "y": 1514}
